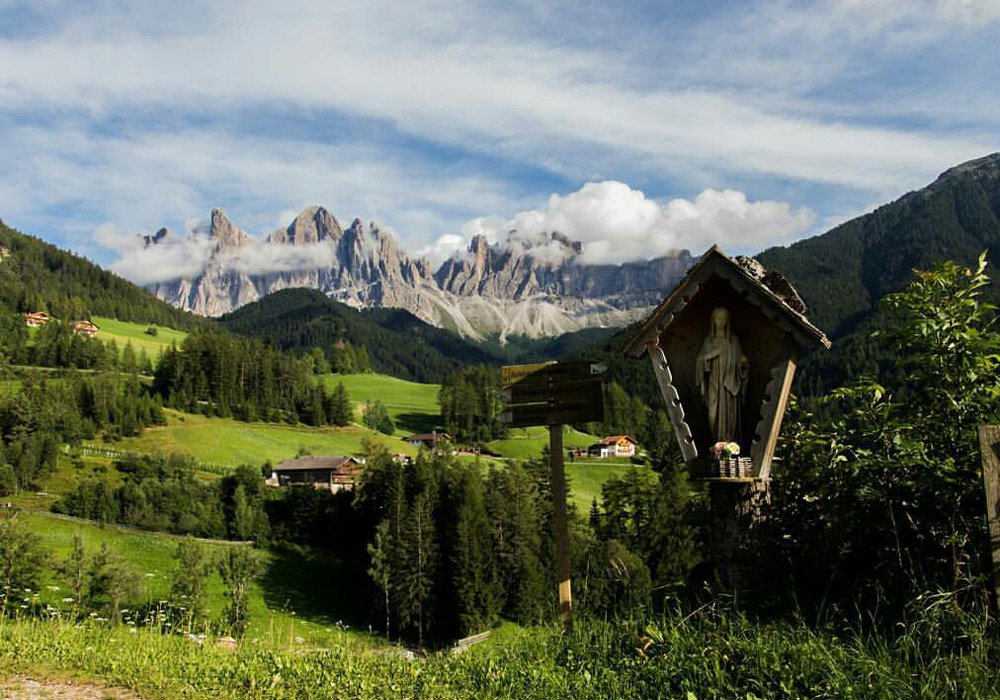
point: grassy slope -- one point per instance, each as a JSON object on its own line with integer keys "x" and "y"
{"x": 228, "y": 441}
{"x": 279, "y": 609}
{"x": 585, "y": 476}
{"x": 413, "y": 406}
{"x": 123, "y": 332}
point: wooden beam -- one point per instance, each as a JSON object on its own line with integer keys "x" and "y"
{"x": 989, "y": 445}
{"x": 772, "y": 410}
{"x": 675, "y": 411}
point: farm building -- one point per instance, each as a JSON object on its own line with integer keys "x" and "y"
{"x": 86, "y": 328}
{"x": 36, "y": 319}
{"x": 428, "y": 440}
{"x": 613, "y": 446}
{"x": 330, "y": 473}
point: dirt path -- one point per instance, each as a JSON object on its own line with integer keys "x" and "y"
{"x": 31, "y": 689}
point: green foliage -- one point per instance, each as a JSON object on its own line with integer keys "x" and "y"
{"x": 75, "y": 568}
{"x": 883, "y": 499}
{"x": 22, "y": 562}
{"x": 470, "y": 404}
{"x": 239, "y": 568}
{"x": 516, "y": 513}
{"x": 649, "y": 517}
{"x": 339, "y": 410}
{"x": 617, "y": 583}
{"x": 110, "y": 584}
{"x": 220, "y": 374}
{"x": 189, "y": 584}
{"x": 475, "y": 577}
{"x": 376, "y": 417}
{"x": 162, "y": 494}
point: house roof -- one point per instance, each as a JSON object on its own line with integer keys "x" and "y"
{"x": 314, "y": 463}
{"x": 715, "y": 262}
{"x": 614, "y": 439}
{"x": 85, "y": 324}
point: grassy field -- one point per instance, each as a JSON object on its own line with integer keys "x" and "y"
{"x": 586, "y": 477}
{"x": 228, "y": 441}
{"x": 705, "y": 654}
{"x": 280, "y": 607}
{"x": 414, "y": 407}
{"x": 123, "y": 332}
{"x": 528, "y": 443}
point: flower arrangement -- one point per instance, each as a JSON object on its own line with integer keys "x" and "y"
{"x": 725, "y": 450}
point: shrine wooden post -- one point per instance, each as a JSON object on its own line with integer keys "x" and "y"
{"x": 554, "y": 394}
{"x": 989, "y": 444}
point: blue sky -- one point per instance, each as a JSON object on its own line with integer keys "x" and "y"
{"x": 660, "y": 126}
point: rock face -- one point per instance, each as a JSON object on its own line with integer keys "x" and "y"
{"x": 534, "y": 288}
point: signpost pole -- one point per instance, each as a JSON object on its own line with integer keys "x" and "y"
{"x": 559, "y": 524}
{"x": 554, "y": 394}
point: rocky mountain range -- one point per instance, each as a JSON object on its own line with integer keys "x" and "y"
{"x": 534, "y": 288}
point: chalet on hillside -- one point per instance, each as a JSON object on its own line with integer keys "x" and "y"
{"x": 36, "y": 319}
{"x": 428, "y": 440}
{"x": 613, "y": 446}
{"x": 86, "y": 328}
{"x": 330, "y": 473}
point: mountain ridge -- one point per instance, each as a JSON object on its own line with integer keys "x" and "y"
{"x": 494, "y": 289}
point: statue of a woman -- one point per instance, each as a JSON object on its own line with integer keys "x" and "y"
{"x": 721, "y": 375}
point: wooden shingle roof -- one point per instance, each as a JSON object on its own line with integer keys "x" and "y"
{"x": 716, "y": 263}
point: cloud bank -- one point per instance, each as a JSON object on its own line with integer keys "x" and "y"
{"x": 617, "y": 224}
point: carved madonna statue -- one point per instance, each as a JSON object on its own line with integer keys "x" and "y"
{"x": 721, "y": 377}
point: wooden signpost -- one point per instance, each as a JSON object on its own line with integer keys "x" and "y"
{"x": 554, "y": 394}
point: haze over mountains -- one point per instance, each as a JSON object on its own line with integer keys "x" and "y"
{"x": 527, "y": 286}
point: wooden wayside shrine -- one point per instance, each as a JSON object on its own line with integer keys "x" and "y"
{"x": 724, "y": 345}
{"x": 771, "y": 332}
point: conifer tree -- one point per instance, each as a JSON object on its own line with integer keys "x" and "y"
{"x": 476, "y": 581}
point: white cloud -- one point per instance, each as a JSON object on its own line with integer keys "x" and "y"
{"x": 555, "y": 107}
{"x": 171, "y": 259}
{"x": 617, "y": 224}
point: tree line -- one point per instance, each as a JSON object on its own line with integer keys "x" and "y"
{"x": 46, "y": 414}
{"x": 220, "y": 374}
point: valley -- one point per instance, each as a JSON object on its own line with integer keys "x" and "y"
{"x": 139, "y": 456}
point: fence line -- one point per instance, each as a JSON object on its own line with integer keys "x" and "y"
{"x": 109, "y": 453}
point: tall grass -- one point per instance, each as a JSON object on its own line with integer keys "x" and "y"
{"x": 713, "y": 653}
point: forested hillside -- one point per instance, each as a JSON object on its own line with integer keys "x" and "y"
{"x": 843, "y": 273}
{"x": 301, "y": 319}
{"x": 35, "y": 275}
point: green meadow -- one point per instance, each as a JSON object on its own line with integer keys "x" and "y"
{"x": 280, "y": 608}
{"x": 414, "y": 407}
{"x": 227, "y": 441}
{"x": 123, "y": 332}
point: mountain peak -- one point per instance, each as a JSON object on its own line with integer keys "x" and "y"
{"x": 312, "y": 225}
{"x": 225, "y": 231}
{"x": 986, "y": 166}
{"x": 163, "y": 234}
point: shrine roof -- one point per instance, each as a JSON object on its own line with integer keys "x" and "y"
{"x": 716, "y": 263}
